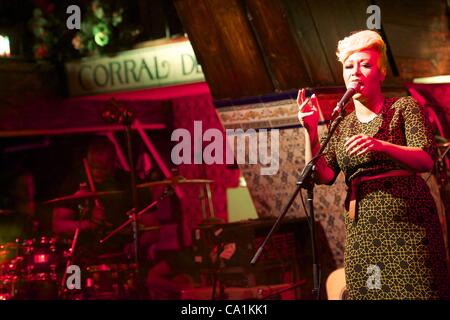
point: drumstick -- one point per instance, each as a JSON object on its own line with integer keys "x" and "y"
{"x": 91, "y": 182}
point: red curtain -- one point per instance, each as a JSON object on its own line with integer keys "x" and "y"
{"x": 186, "y": 110}
{"x": 437, "y": 97}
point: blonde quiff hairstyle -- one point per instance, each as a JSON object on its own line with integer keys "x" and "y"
{"x": 361, "y": 40}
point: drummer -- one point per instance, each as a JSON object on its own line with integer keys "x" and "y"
{"x": 104, "y": 214}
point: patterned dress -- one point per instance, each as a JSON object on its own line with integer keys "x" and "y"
{"x": 394, "y": 247}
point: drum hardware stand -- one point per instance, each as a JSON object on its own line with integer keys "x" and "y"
{"x": 201, "y": 196}
{"x": 83, "y": 208}
{"x": 117, "y": 113}
{"x": 306, "y": 181}
{"x": 278, "y": 292}
{"x": 167, "y": 191}
{"x": 205, "y": 197}
{"x": 218, "y": 265}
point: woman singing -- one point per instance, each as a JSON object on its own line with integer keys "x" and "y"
{"x": 392, "y": 227}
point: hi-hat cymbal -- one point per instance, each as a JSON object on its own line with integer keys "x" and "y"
{"x": 81, "y": 195}
{"x": 174, "y": 181}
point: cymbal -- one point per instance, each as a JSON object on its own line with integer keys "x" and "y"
{"x": 173, "y": 182}
{"x": 212, "y": 220}
{"x": 81, "y": 195}
{"x": 6, "y": 212}
{"x": 152, "y": 228}
{"x": 142, "y": 228}
{"x": 8, "y": 245}
{"x": 444, "y": 145}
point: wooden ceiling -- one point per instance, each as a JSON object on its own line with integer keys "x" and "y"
{"x": 254, "y": 47}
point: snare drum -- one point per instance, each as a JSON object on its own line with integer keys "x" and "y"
{"x": 109, "y": 281}
{"x": 42, "y": 259}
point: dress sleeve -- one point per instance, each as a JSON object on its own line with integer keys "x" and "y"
{"x": 330, "y": 154}
{"x": 418, "y": 131}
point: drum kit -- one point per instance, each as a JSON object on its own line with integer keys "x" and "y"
{"x": 36, "y": 268}
{"x": 29, "y": 268}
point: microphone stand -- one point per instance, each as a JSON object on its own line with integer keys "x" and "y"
{"x": 126, "y": 119}
{"x": 306, "y": 181}
{"x": 118, "y": 113}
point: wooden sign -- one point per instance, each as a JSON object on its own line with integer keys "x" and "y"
{"x": 156, "y": 66}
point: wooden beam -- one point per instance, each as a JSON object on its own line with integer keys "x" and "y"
{"x": 308, "y": 40}
{"x": 225, "y": 47}
{"x": 278, "y": 43}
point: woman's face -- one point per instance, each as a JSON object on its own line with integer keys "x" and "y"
{"x": 362, "y": 67}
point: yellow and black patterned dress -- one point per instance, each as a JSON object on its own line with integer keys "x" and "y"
{"x": 394, "y": 247}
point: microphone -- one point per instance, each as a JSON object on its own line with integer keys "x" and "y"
{"x": 110, "y": 115}
{"x": 352, "y": 89}
{"x": 115, "y": 113}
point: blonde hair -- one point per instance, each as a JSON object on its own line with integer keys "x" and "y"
{"x": 361, "y": 40}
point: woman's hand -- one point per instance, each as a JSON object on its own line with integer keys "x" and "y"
{"x": 308, "y": 113}
{"x": 361, "y": 144}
